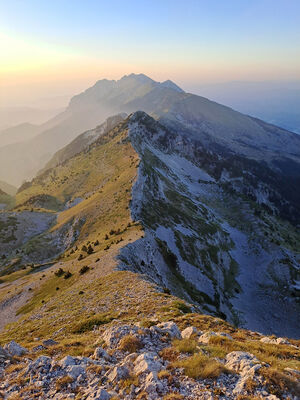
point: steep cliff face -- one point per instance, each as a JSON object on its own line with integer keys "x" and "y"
{"x": 205, "y": 237}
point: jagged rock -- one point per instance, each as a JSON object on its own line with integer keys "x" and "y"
{"x": 242, "y": 362}
{"x": 153, "y": 384}
{"x": 279, "y": 340}
{"x": 74, "y": 371}
{"x": 206, "y": 337}
{"x": 14, "y": 349}
{"x": 114, "y": 334}
{"x": 100, "y": 353}
{"x": 118, "y": 373}
{"x": 171, "y": 328}
{"x": 189, "y": 332}
{"x": 245, "y": 364}
{"x": 66, "y": 361}
{"x": 100, "y": 394}
{"x": 147, "y": 362}
{"x": 3, "y": 354}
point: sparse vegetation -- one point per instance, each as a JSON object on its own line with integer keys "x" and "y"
{"x": 130, "y": 344}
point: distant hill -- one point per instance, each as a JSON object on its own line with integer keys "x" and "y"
{"x": 83, "y": 141}
{"x": 7, "y": 188}
{"x": 18, "y": 133}
{"x": 275, "y": 102}
{"x": 12, "y": 116}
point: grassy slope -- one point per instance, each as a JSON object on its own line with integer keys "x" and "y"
{"x": 100, "y": 177}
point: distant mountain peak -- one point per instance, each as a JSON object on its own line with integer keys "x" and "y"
{"x": 171, "y": 85}
{"x": 141, "y": 78}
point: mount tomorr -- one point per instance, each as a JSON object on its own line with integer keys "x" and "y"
{"x": 170, "y": 195}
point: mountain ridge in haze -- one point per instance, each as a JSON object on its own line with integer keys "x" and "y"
{"x": 166, "y": 102}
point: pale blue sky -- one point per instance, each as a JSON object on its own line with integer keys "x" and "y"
{"x": 70, "y": 43}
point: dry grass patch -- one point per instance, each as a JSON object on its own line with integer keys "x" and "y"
{"x": 130, "y": 343}
{"x": 63, "y": 382}
{"x": 201, "y": 366}
{"x": 185, "y": 345}
{"x": 173, "y": 396}
{"x": 95, "y": 369}
{"x": 278, "y": 382}
{"x": 163, "y": 374}
{"x": 126, "y": 383}
{"x": 14, "y": 368}
{"x": 169, "y": 354}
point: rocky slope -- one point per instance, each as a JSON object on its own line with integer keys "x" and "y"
{"x": 182, "y": 220}
{"x": 159, "y": 362}
{"x": 207, "y": 241}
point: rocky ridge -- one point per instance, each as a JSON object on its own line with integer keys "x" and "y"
{"x": 134, "y": 362}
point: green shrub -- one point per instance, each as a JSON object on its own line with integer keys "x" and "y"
{"x": 84, "y": 269}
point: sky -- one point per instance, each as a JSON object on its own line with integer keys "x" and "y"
{"x": 50, "y": 50}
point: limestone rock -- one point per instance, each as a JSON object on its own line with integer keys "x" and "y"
{"x": 74, "y": 371}
{"x": 171, "y": 328}
{"x": 147, "y": 362}
{"x": 100, "y": 394}
{"x": 100, "y": 353}
{"x": 66, "y": 361}
{"x": 14, "y": 349}
{"x": 189, "y": 332}
{"x": 118, "y": 373}
{"x": 206, "y": 337}
{"x": 242, "y": 362}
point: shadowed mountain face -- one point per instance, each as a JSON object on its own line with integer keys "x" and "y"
{"x": 207, "y": 121}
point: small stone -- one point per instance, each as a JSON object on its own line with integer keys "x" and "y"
{"x": 171, "y": 328}
{"x": 49, "y": 342}
{"x": 205, "y": 338}
{"x": 3, "y": 354}
{"x": 189, "y": 332}
{"x": 101, "y": 353}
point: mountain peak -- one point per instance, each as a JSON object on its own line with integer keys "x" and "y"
{"x": 171, "y": 85}
{"x": 141, "y": 78}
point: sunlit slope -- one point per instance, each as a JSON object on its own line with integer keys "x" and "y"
{"x": 90, "y": 193}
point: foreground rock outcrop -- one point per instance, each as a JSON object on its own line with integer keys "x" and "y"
{"x": 133, "y": 362}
